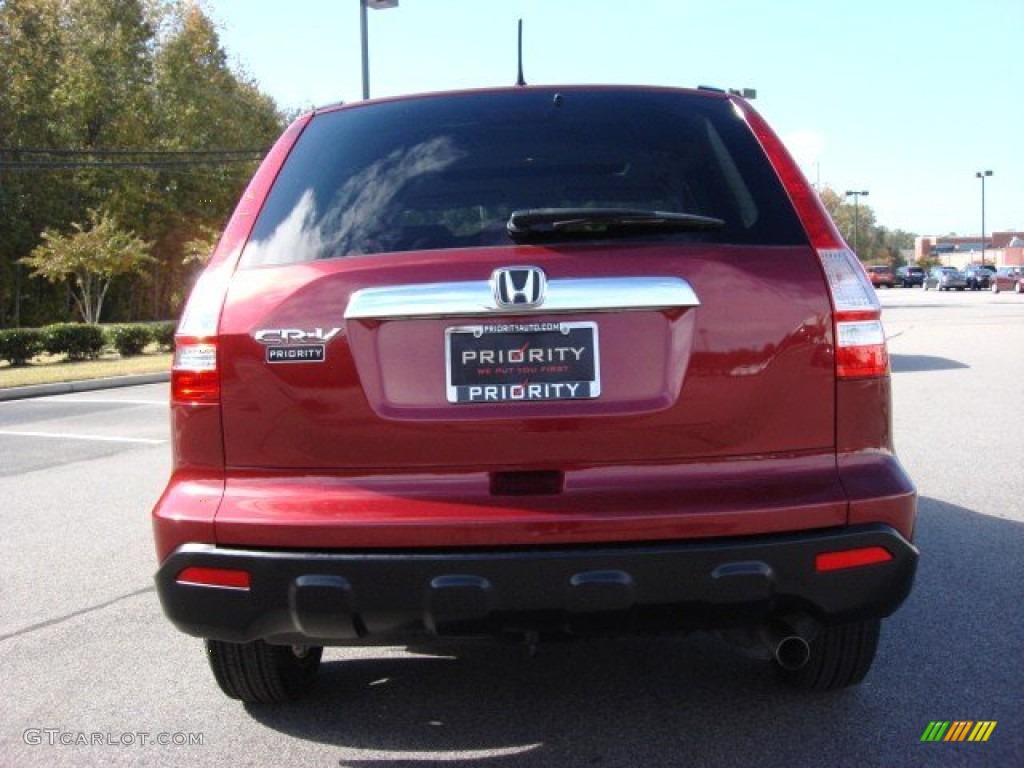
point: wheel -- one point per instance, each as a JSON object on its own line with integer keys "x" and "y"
{"x": 841, "y": 655}
{"x": 258, "y": 672}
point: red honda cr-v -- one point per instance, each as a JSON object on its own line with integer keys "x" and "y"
{"x": 532, "y": 361}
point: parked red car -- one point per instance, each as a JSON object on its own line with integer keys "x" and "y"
{"x": 1008, "y": 279}
{"x": 881, "y": 275}
{"x": 526, "y": 362}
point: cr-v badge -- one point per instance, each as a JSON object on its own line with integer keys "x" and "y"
{"x": 295, "y": 345}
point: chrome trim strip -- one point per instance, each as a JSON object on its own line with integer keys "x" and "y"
{"x": 472, "y": 299}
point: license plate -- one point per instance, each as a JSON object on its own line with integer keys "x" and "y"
{"x": 522, "y": 362}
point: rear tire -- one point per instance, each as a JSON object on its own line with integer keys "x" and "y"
{"x": 258, "y": 672}
{"x": 841, "y": 656}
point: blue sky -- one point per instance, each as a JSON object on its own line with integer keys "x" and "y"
{"x": 904, "y": 98}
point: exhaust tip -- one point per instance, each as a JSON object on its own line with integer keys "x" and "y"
{"x": 792, "y": 652}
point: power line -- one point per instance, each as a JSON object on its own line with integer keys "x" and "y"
{"x": 61, "y": 165}
{"x": 49, "y": 159}
{"x": 119, "y": 152}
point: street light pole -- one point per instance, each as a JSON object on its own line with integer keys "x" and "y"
{"x": 856, "y": 195}
{"x": 377, "y": 5}
{"x": 981, "y": 175}
{"x": 365, "y": 47}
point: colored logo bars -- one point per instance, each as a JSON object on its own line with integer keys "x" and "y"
{"x": 958, "y": 730}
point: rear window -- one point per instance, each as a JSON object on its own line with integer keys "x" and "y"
{"x": 448, "y": 171}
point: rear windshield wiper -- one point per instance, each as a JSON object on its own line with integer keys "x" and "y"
{"x": 547, "y": 223}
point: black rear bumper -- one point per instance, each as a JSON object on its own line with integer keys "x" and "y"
{"x": 332, "y": 598}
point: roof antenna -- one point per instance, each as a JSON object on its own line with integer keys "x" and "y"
{"x": 520, "y": 80}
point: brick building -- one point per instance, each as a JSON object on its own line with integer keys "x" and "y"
{"x": 1001, "y": 249}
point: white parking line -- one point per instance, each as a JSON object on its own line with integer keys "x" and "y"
{"x": 85, "y": 400}
{"x": 99, "y": 400}
{"x": 69, "y": 436}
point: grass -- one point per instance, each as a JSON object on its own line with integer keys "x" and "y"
{"x": 50, "y": 369}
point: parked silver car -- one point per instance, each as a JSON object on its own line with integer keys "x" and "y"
{"x": 945, "y": 279}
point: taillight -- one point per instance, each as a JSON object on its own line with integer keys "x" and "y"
{"x": 194, "y": 375}
{"x": 195, "y": 378}
{"x": 860, "y": 340}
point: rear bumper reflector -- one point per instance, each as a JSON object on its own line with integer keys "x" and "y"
{"x": 214, "y": 577}
{"x": 851, "y": 558}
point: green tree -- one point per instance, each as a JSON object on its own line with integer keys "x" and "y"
{"x": 199, "y": 249}
{"x": 102, "y": 91}
{"x": 89, "y": 259}
{"x": 76, "y": 77}
{"x": 875, "y": 243}
{"x": 30, "y": 52}
{"x": 201, "y": 104}
{"x": 85, "y": 85}
{"x": 856, "y": 222}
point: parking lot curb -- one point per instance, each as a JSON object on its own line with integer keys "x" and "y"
{"x": 85, "y": 385}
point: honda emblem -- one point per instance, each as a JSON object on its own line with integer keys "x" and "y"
{"x": 519, "y": 286}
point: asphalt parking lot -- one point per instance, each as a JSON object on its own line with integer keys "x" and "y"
{"x": 93, "y": 675}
